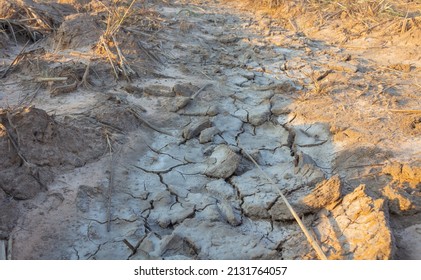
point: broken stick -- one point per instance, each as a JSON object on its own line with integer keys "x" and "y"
{"x": 14, "y": 60}
{"x": 110, "y": 185}
{"x": 310, "y": 238}
{"x": 199, "y": 91}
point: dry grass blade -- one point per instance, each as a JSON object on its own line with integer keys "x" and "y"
{"x": 110, "y": 184}
{"x": 14, "y": 61}
{"x": 149, "y": 54}
{"x": 15, "y": 145}
{"x": 406, "y": 111}
{"x": 148, "y": 124}
{"x": 28, "y": 103}
{"x": 309, "y": 237}
{"x": 110, "y": 59}
{"x": 84, "y": 81}
{"x": 317, "y": 87}
{"x": 114, "y": 23}
{"x": 127, "y": 70}
{"x": 360, "y": 16}
{"x": 12, "y": 31}
{"x": 16, "y": 27}
{"x": 51, "y": 79}
{"x": 120, "y": 22}
{"x": 199, "y": 91}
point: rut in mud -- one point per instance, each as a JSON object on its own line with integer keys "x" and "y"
{"x": 154, "y": 165}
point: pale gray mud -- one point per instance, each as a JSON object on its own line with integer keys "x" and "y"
{"x": 157, "y": 168}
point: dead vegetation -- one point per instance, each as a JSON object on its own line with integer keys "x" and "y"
{"x": 94, "y": 33}
{"x": 355, "y": 18}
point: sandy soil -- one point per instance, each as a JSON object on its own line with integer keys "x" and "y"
{"x": 147, "y": 157}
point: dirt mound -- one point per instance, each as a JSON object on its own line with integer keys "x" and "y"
{"x": 78, "y": 31}
{"x": 25, "y": 20}
{"x": 46, "y": 142}
{"x": 34, "y": 143}
{"x": 113, "y": 36}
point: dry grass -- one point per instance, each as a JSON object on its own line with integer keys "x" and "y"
{"x": 123, "y": 15}
{"x": 115, "y": 28}
{"x": 360, "y": 17}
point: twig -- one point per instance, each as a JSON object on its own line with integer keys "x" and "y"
{"x": 15, "y": 145}
{"x": 105, "y": 124}
{"x": 294, "y": 26}
{"x": 324, "y": 75}
{"x": 310, "y": 238}
{"x": 107, "y": 50}
{"x": 149, "y": 54}
{"x": 128, "y": 244}
{"x": 32, "y": 168}
{"x": 110, "y": 185}
{"x": 32, "y": 97}
{"x": 406, "y": 111}
{"x": 140, "y": 118}
{"x": 127, "y": 71}
{"x": 64, "y": 88}
{"x": 199, "y": 91}
{"x": 14, "y": 60}
{"x": 13, "y": 32}
{"x": 84, "y": 81}
{"x": 312, "y": 144}
{"x": 51, "y": 79}
{"x": 115, "y": 29}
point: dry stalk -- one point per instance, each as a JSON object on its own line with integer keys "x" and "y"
{"x": 31, "y": 99}
{"x": 148, "y": 124}
{"x": 64, "y": 89}
{"x": 14, "y": 144}
{"x": 318, "y": 87}
{"x": 406, "y": 111}
{"x": 148, "y": 53}
{"x": 13, "y": 32}
{"x": 14, "y": 25}
{"x": 199, "y": 91}
{"x": 125, "y": 67}
{"x": 110, "y": 184}
{"x": 124, "y": 16}
{"x": 84, "y": 81}
{"x": 14, "y": 60}
{"x": 107, "y": 50}
{"x": 309, "y": 237}
{"x": 51, "y": 79}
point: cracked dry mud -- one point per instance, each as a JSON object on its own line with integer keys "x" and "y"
{"x": 178, "y": 184}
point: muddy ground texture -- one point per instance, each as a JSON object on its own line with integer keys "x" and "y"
{"x": 129, "y": 139}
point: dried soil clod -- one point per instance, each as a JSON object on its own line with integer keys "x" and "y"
{"x": 356, "y": 228}
{"x": 222, "y": 163}
{"x": 208, "y": 134}
{"x": 185, "y": 89}
{"x": 159, "y": 91}
{"x": 307, "y": 200}
{"x": 195, "y": 128}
